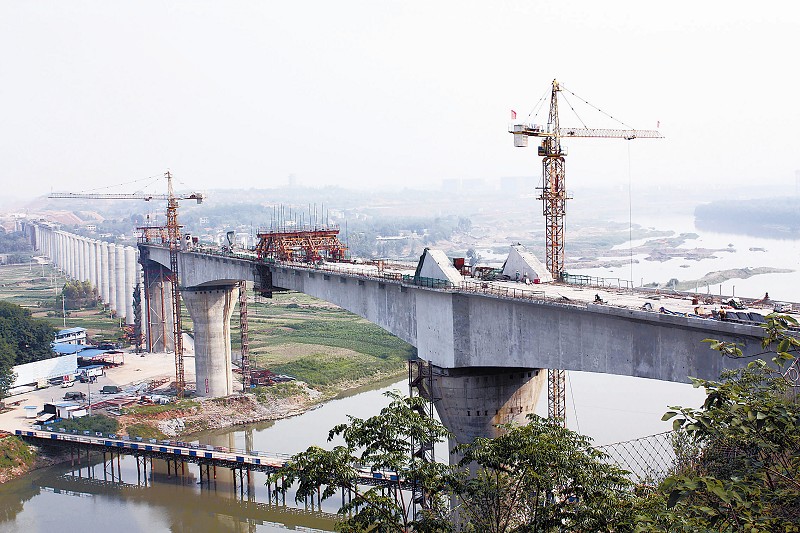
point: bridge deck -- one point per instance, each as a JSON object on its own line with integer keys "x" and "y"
{"x": 582, "y": 290}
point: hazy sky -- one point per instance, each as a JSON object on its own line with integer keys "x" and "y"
{"x": 390, "y": 93}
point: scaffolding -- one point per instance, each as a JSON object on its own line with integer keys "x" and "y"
{"x": 244, "y": 335}
{"x": 420, "y": 383}
{"x": 309, "y": 245}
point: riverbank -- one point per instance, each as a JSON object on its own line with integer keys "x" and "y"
{"x": 18, "y": 458}
{"x": 182, "y": 419}
{"x": 283, "y": 400}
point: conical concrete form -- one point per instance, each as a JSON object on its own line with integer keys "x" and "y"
{"x": 522, "y": 264}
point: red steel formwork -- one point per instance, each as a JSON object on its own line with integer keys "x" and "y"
{"x": 305, "y": 246}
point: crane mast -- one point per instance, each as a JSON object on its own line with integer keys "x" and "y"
{"x": 173, "y": 235}
{"x": 174, "y": 238}
{"x": 554, "y": 207}
{"x": 554, "y": 193}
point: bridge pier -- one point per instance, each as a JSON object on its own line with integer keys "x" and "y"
{"x": 158, "y": 309}
{"x": 211, "y": 309}
{"x": 471, "y": 402}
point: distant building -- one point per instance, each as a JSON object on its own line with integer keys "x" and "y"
{"x": 70, "y": 336}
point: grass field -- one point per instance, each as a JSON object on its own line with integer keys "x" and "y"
{"x": 292, "y": 333}
{"x": 319, "y": 343}
{"x": 36, "y": 288}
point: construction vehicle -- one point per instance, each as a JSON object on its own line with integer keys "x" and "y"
{"x": 554, "y": 202}
{"x": 170, "y": 235}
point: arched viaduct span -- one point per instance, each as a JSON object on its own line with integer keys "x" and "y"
{"x": 485, "y": 350}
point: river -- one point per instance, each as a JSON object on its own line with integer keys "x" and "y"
{"x": 66, "y": 499}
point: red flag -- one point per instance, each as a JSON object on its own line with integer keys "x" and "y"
{"x": 513, "y": 115}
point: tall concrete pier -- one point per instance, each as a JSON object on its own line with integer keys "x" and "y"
{"x": 131, "y": 276}
{"x": 92, "y": 262}
{"x": 104, "y": 280}
{"x": 98, "y": 269}
{"x": 119, "y": 271}
{"x": 112, "y": 277}
{"x": 211, "y": 309}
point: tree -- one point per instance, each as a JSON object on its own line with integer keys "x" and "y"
{"x": 7, "y": 375}
{"x": 747, "y": 474}
{"x": 383, "y": 443}
{"x": 78, "y": 294}
{"x": 28, "y": 339}
{"x": 540, "y": 477}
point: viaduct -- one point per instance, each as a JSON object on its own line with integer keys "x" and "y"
{"x": 485, "y": 349}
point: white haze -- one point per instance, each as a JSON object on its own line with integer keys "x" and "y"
{"x": 390, "y": 94}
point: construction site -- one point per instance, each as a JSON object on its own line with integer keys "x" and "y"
{"x": 308, "y": 241}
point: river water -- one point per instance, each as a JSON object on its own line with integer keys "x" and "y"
{"x": 607, "y": 408}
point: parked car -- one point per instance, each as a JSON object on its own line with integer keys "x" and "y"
{"x": 110, "y": 389}
{"x": 67, "y": 384}
{"x": 75, "y": 396}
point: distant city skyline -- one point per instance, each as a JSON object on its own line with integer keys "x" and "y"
{"x": 377, "y": 94}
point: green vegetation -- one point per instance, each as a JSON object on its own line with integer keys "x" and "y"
{"x": 15, "y": 453}
{"x": 77, "y": 295}
{"x": 145, "y": 431}
{"x": 14, "y": 241}
{"x": 324, "y": 346}
{"x": 746, "y": 476}
{"x": 36, "y": 290}
{"x": 23, "y": 339}
{"x": 278, "y": 391}
{"x": 101, "y": 423}
{"x": 155, "y": 409}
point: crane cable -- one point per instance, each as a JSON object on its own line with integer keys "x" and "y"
{"x": 576, "y": 113}
{"x": 537, "y": 107}
{"x": 574, "y": 410}
{"x": 595, "y": 107}
{"x": 152, "y": 178}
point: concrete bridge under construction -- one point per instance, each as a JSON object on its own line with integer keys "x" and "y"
{"x": 485, "y": 342}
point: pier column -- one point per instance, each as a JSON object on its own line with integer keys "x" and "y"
{"x": 98, "y": 268}
{"x": 472, "y": 401}
{"x": 81, "y": 254}
{"x": 92, "y": 260}
{"x": 131, "y": 276}
{"x": 104, "y": 279}
{"x": 60, "y": 245}
{"x": 211, "y": 309}
{"x": 75, "y": 252}
{"x": 112, "y": 276}
{"x": 119, "y": 272}
{"x": 158, "y": 311}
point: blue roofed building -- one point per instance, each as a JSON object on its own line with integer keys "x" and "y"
{"x": 71, "y": 336}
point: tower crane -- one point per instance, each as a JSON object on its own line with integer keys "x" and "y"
{"x": 173, "y": 235}
{"x": 554, "y": 202}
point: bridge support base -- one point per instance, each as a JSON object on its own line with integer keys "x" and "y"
{"x": 471, "y": 402}
{"x": 211, "y": 309}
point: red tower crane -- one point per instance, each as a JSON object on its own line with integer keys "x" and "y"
{"x": 554, "y": 203}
